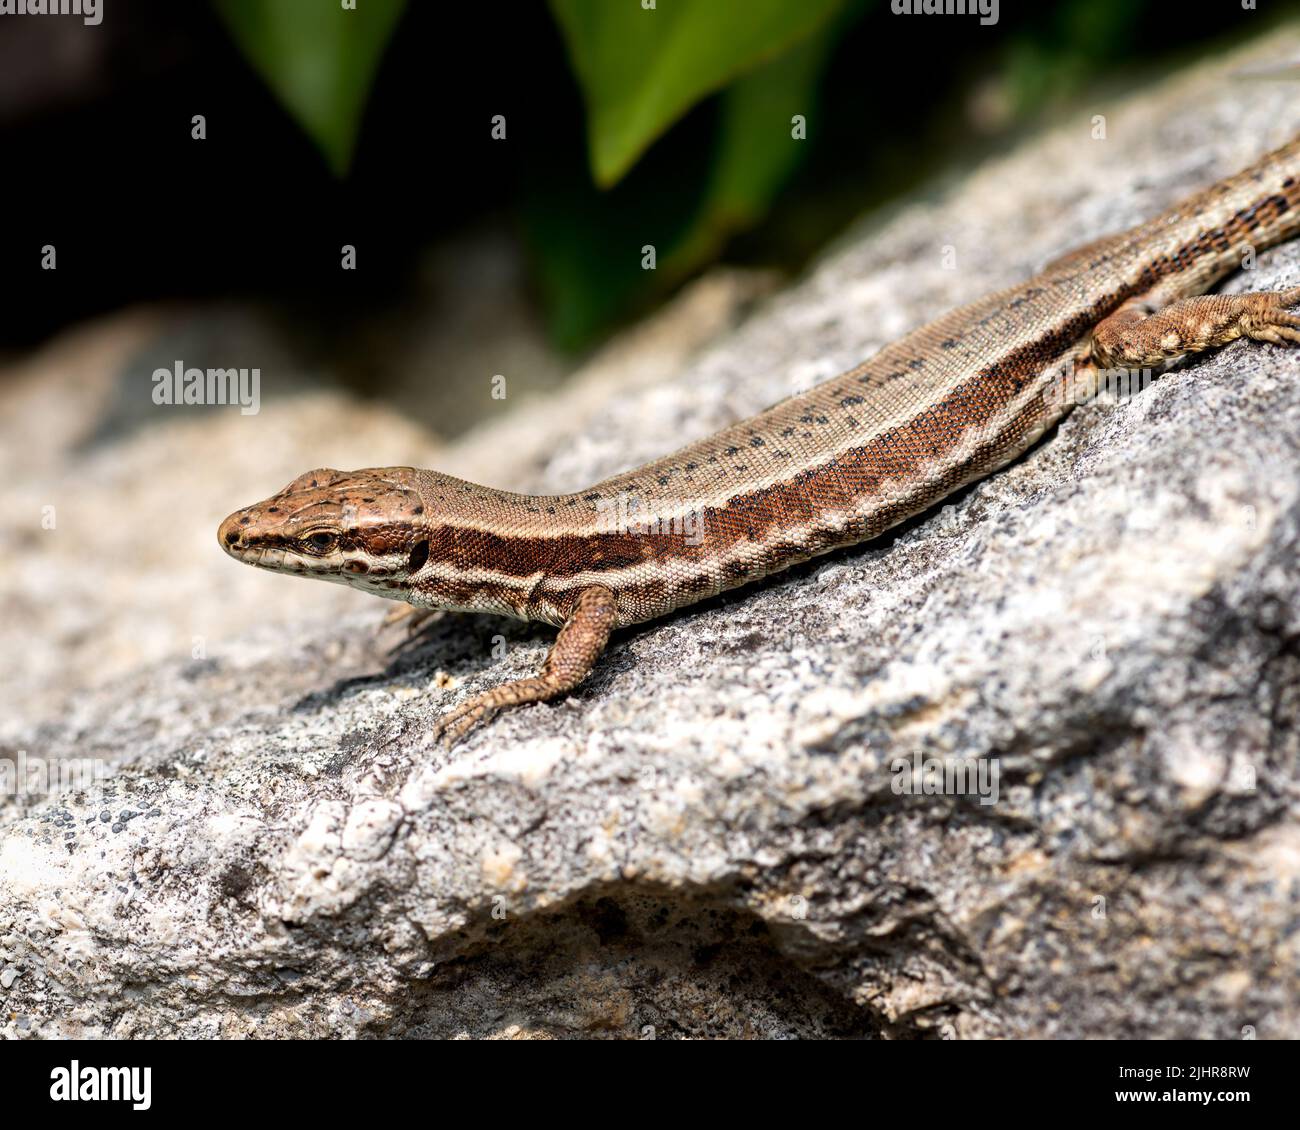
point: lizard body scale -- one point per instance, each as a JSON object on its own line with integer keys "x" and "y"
{"x": 948, "y": 403}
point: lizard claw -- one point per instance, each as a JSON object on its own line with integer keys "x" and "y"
{"x": 1275, "y": 323}
{"x": 456, "y": 723}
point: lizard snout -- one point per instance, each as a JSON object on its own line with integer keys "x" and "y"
{"x": 231, "y": 533}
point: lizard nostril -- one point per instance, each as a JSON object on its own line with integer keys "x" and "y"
{"x": 231, "y": 535}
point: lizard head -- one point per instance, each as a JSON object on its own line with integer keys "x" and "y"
{"x": 360, "y": 528}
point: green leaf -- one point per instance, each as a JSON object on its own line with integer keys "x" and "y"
{"x": 319, "y": 58}
{"x": 757, "y": 151}
{"x": 642, "y": 68}
{"x": 687, "y": 197}
{"x": 587, "y": 245}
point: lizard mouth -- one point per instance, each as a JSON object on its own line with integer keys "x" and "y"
{"x": 242, "y": 545}
{"x": 248, "y": 546}
{"x": 232, "y": 536}
{"x": 280, "y": 560}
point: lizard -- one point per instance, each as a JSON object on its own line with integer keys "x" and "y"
{"x": 948, "y": 403}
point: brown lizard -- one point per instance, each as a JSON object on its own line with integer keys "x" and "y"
{"x": 948, "y": 403}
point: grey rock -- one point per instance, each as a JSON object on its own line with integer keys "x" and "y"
{"x": 709, "y": 838}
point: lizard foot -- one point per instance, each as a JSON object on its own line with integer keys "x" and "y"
{"x": 1273, "y": 322}
{"x": 576, "y": 649}
{"x": 1132, "y": 337}
{"x": 455, "y": 724}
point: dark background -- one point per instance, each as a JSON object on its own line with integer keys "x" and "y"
{"x": 98, "y": 158}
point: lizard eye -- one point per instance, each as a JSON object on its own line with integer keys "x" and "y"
{"x": 323, "y": 541}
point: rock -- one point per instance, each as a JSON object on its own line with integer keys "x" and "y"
{"x": 726, "y": 831}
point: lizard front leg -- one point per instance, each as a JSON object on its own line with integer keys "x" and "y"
{"x": 412, "y": 615}
{"x": 416, "y": 620}
{"x": 1133, "y": 336}
{"x": 580, "y": 643}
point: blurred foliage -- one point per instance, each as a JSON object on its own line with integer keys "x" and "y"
{"x": 685, "y": 201}
{"x": 642, "y": 68}
{"x": 689, "y": 109}
{"x": 318, "y": 58}
{"x": 640, "y": 71}
{"x": 755, "y": 153}
{"x": 1054, "y": 59}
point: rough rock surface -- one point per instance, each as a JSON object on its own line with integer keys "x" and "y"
{"x": 705, "y": 840}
